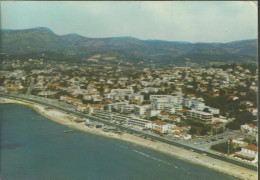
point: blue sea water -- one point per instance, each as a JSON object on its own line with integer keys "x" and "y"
{"x": 35, "y": 148}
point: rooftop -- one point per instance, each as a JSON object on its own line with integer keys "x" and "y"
{"x": 159, "y": 122}
{"x": 251, "y": 147}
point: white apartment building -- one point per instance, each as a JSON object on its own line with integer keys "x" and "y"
{"x": 127, "y": 109}
{"x": 191, "y": 103}
{"x": 139, "y": 123}
{"x": 122, "y": 91}
{"x": 112, "y": 116}
{"x": 200, "y": 115}
{"x": 104, "y": 114}
{"x": 136, "y": 96}
{"x": 160, "y": 102}
{"x": 213, "y": 110}
{"x": 140, "y": 110}
{"x": 119, "y": 118}
{"x": 149, "y": 89}
{"x": 152, "y": 112}
{"x": 170, "y": 110}
{"x": 117, "y": 106}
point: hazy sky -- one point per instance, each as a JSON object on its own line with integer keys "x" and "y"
{"x": 174, "y": 21}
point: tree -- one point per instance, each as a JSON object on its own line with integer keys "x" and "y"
{"x": 206, "y": 110}
{"x": 193, "y": 130}
{"x": 153, "y": 118}
{"x": 204, "y": 131}
{"x": 223, "y": 147}
{"x": 80, "y": 96}
{"x": 241, "y": 118}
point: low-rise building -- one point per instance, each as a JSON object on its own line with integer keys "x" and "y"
{"x": 160, "y": 126}
{"x": 207, "y": 117}
{"x": 122, "y": 91}
{"x": 239, "y": 142}
{"x": 249, "y": 152}
{"x": 93, "y": 108}
{"x": 174, "y": 118}
{"x": 182, "y": 135}
{"x": 152, "y": 112}
{"x": 82, "y": 107}
{"x": 247, "y": 103}
{"x": 252, "y": 110}
{"x": 249, "y": 129}
{"x": 141, "y": 110}
{"x": 139, "y": 123}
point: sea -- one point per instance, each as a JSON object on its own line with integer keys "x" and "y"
{"x": 36, "y": 148}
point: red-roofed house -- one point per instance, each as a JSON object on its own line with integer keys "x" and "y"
{"x": 95, "y": 107}
{"x": 203, "y": 89}
{"x": 242, "y": 93}
{"x": 182, "y": 135}
{"x": 250, "y": 149}
{"x": 175, "y": 118}
{"x": 249, "y": 152}
{"x": 182, "y": 112}
{"x": 82, "y": 107}
{"x": 233, "y": 97}
{"x": 247, "y": 103}
{"x": 160, "y": 126}
{"x": 252, "y": 110}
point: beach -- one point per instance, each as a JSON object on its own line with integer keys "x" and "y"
{"x": 191, "y": 157}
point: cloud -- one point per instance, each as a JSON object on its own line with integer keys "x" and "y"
{"x": 165, "y": 20}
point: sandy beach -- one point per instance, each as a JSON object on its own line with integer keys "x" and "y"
{"x": 191, "y": 157}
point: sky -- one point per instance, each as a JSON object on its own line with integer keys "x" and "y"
{"x": 201, "y": 21}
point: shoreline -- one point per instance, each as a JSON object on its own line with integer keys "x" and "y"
{"x": 176, "y": 152}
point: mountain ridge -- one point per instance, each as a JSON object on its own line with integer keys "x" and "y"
{"x": 41, "y": 39}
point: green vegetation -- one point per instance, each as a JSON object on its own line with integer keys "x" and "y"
{"x": 223, "y": 148}
{"x": 251, "y": 67}
{"x": 61, "y": 93}
{"x": 35, "y": 91}
{"x": 75, "y": 48}
{"x": 241, "y": 118}
{"x": 197, "y": 127}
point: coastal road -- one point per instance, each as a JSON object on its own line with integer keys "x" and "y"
{"x": 29, "y": 90}
{"x": 133, "y": 131}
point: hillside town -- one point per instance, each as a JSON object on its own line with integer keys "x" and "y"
{"x": 182, "y": 103}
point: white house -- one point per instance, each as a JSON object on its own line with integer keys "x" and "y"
{"x": 82, "y": 107}
{"x": 249, "y": 152}
{"x": 239, "y": 142}
{"x": 175, "y": 118}
{"x": 249, "y": 128}
{"x": 160, "y": 126}
{"x": 252, "y": 110}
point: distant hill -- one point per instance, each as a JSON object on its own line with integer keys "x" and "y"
{"x": 37, "y": 40}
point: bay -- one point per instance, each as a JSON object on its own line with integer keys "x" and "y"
{"x": 36, "y": 148}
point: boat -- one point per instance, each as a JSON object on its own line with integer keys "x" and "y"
{"x": 67, "y": 131}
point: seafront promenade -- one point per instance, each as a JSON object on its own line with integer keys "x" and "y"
{"x": 162, "y": 145}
